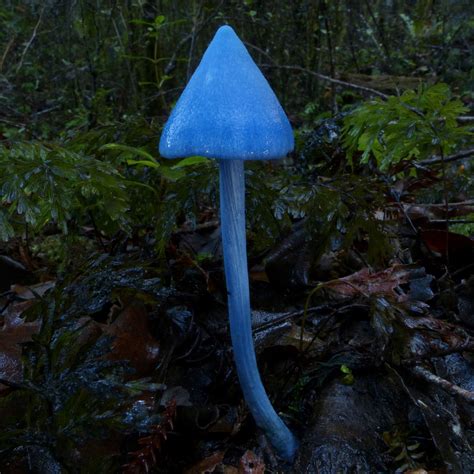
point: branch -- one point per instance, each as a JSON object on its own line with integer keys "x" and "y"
{"x": 469, "y": 202}
{"x": 452, "y": 222}
{"x": 332, "y": 80}
{"x": 448, "y": 386}
{"x": 457, "y": 156}
{"x": 7, "y": 49}
{"x": 350, "y": 85}
{"x": 172, "y": 62}
{"x": 465, "y": 346}
{"x": 9, "y": 122}
{"x": 10, "y": 384}
{"x": 33, "y": 36}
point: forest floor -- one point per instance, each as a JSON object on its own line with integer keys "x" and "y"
{"x": 126, "y": 364}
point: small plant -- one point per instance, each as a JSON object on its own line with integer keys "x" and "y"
{"x": 406, "y": 452}
{"x": 44, "y": 184}
{"x": 413, "y": 126}
{"x": 348, "y": 377}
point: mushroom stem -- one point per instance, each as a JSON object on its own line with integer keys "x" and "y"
{"x": 232, "y": 200}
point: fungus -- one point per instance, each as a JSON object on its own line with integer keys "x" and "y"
{"x": 229, "y": 112}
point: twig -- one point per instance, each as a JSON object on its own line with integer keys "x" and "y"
{"x": 97, "y": 232}
{"x": 380, "y": 34}
{"x": 470, "y": 202}
{"x": 332, "y": 80}
{"x": 14, "y": 124}
{"x": 446, "y": 200}
{"x": 47, "y": 110}
{"x": 450, "y": 387}
{"x": 14, "y": 385}
{"x": 194, "y": 31}
{"x": 171, "y": 63}
{"x": 261, "y": 51}
{"x": 457, "y": 156}
{"x": 331, "y": 58}
{"x": 451, "y": 222}
{"x": 212, "y": 224}
{"x": 33, "y": 36}
{"x": 286, "y": 316}
{"x": 7, "y": 49}
{"x": 465, "y": 346}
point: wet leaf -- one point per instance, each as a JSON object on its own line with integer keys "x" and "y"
{"x": 31, "y": 292}
{"x": 208, "y": 464}
{"x": 132, "y": 339}
{"x": 250, "y": 463}
{"x": 191, "y": 161}
{"x": 179, "y": 394}
{"x": 448, "y": 243}
{"x": 363, "y": 282}
{"x": 13, "y": 334}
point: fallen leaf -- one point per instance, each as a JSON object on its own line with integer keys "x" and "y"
{"x": 250, "y": 463}
{"x": 293, "y": 337}
{"x": 456, "y": 245}
{"x": 258, "y": 273}
{"x": 179, "y": 394}
{"x": 366, "y": 283}
{"x": 208, "y": 464}
{"x": 31, "y": 292}
{"x": 133, "y": 340}
{"x": 15, "y": 331}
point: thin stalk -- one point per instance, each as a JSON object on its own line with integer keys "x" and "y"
{"x": 232, "y": 200}
{"x": 446, "y": 200}
{"x": 331, "y": 60}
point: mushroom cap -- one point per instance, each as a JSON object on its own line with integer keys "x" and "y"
{"x": 228, "y": 110}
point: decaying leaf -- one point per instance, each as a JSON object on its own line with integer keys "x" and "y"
{"x": 384, "y": 283}
{"x": 250, "y": 463}
{"x": 132, "y": 339}
{"x": 31, "y": 292}
{"x": 15, "y": 331}
{"x": 444, "y": 243}
{"x": 208, "y": 464}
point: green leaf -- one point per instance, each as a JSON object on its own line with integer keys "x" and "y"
{"x": 150, "y": 164}
{"x": 128, "y": 149}
{"x": 6, "y": 230}
{"x": 414, "y": 126}
{"x": 171, "y": 173}
{"x": 192, "y": 160}
{"x": 345, "y": 369}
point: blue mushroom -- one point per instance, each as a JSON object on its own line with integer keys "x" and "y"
{"x": 229, "y": 112}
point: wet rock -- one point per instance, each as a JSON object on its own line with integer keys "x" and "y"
{"x": 349, "y": 421}
{"x": 448, "y": 420}
{"x": 106, "y": 278}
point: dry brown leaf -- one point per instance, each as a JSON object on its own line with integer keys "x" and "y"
{"x": 208, "y": 464}
{"x": 365, "y": 283}
{"x": 133, "y": 340}
{"x": 32, "y": 291}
